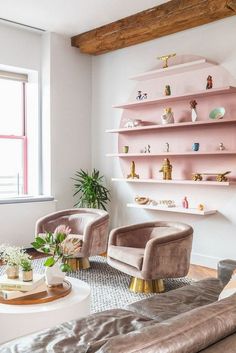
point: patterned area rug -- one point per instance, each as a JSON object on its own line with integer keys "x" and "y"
{"x": 109, "y": 287}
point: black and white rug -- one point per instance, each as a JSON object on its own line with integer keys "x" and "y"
{"x": 109, "y": 287}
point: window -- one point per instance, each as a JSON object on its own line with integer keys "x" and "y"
{"x": 19, "y": 135}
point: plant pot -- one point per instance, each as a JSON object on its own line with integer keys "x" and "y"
{"x": 54, "y": 275}
{"x": 12, "y": 272}
{"x": 27, "y": 276}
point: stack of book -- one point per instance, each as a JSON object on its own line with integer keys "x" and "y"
{"x": 16, "y": 288}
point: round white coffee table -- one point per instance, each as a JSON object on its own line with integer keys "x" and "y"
{"x": 20, "y": 320}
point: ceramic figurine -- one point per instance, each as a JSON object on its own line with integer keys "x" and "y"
{"x": 137, "y": 122}
{"x": 139, "y": 96}
{"x": 132, "y": 174}
{"x": 167, "y": 149}
{"x": 167, "y": 117}
{"x": 195, "y": 146}
{"x": 167, "y": 90}
{"x": 200, "y": 207}
{"x": 129, "y": 124}
{"x": 209, "y": 84}
{"x": 185, "y": 202}
{"x": 125, "y": 149}
{"x": 166, "y": 169}
{"x": 165, "y": 58}
{"x": 193, "y": 105}
{"x": 144, "y": 96}
{"x": 221, "y": 146}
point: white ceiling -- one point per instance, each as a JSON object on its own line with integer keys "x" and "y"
{"x": 71, "y": 17}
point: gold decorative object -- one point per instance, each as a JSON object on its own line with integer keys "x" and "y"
{"x": 165, "y": 59}
{"x": 12, "y": 272}
{"x": 27, "y": 276}
{"x": 166, "y": 169}
{"x": 200, "y": 207}
{"x": 220, "y": 177}
{"x": 138, "y": 285}
{"x": 132, "y": 174}
{"x": 141, "y": 200}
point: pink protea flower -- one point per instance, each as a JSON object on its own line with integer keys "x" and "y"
{"x": 63, "y": 229}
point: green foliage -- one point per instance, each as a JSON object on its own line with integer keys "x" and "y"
{"x": 51, "y": 244}
{"x": 26, "y": 264}
{"x": 90, "y": 189}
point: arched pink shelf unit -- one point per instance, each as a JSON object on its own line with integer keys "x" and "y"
{"x": 187, "y": 81}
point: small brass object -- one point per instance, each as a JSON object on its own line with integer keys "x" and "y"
{"x": 138, "y": 285}
{"x": 132, "y": 174}
{"x": 222, "y": 176}
{"x": 166, "y": 169}
{"x": 141, "y": 200}
{"x": 165, "y": 59}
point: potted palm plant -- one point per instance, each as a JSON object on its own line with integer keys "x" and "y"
{"x": 91, "y": 190}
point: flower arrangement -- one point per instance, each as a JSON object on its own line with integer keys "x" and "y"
{"x": 26, "y": 263}
{"x": 60, "y": 245}
{"x": 11, "y": 255}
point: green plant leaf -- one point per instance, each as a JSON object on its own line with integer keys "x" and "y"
{"x": 49, "y": 262}
{"x": 65, "y": 268}
{"x": 35, "y": 245}
{"x": 40, "y": 240}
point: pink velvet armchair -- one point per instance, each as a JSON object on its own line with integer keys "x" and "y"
{"x": 89, "y": 225}
{"x": 150, "y": 252}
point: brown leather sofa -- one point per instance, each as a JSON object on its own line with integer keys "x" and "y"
{"x": 185, "y": 320}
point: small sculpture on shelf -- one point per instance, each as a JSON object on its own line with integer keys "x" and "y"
{"x": 132, "y": 174}
{"x": 167, "y": 90}
{"x": 193, "y": 104}
{"x": 200, "y": 207}
{"x": 147, "y": 149}
{"x": 140, "y": 96}
{"x": 220, "y": 177}
{"x": 142, "y": 200}
{"x": 166, "y": 169}
{"x": 165, "y": 58}
{"x": 167, "y": 117}
{"x": 195, "y": 146}
{"x": 185, "y": 202}
{"x": 125, "y": 149}
{"x": 168, "y": 203}
{"x": 133, "y": 123}
{"x": 167, "y": 147}
{"x": 209, "y": 84}
{"x": 221, "y": 146}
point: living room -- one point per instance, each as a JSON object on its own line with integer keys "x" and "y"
{"x": 71, "y": 99}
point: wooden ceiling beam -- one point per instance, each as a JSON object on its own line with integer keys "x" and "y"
{"x": 171, "y": 17}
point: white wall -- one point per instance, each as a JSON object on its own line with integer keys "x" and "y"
{"x": 66, "y": 80}
{"x": 215, "y": 236}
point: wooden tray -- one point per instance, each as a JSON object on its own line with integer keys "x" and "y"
{"x": 52, "y": 293}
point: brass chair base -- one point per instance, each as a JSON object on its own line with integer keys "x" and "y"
{"x": 104, "y": 254}
{"x": 79, "y": 263}
{"x": 138, "y": 285}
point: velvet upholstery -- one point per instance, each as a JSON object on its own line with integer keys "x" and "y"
{"x": 90, "y": 225}
{"x": 165, "y": 249}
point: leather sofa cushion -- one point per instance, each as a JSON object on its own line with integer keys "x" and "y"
{"x": 190, "y": 332}
{"x": 172, "y": 303}
{"x": 127, "y": 255}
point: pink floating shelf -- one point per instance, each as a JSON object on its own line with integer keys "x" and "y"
{"x": 193, "y": 211}
{"x": 183, "y": 182}
{"x": 169, "y": 126}
{"x": 129, "y": 155}
{"x": 175, "y": 69}
{"x": 159, "y": 100}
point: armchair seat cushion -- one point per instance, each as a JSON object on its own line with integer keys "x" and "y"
{"x": 128, "y": 255}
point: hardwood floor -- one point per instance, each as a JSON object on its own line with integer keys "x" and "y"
{"x": 196, "y": 272}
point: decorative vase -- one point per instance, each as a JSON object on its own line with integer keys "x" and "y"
{"x": 194, "y": 115}
{"x": 12, "y": 272}
{"x": 27, "y": 276}
{"x": 54, "y": 275}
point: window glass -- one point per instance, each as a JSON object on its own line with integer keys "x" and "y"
{"x": 11, "y": 167}
{"x": 11, "y": 107}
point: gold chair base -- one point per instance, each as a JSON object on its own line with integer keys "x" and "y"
{"x": 80, "y": 263}
{"x": 104, "y": 254}
{"x": 138, "y": 285}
